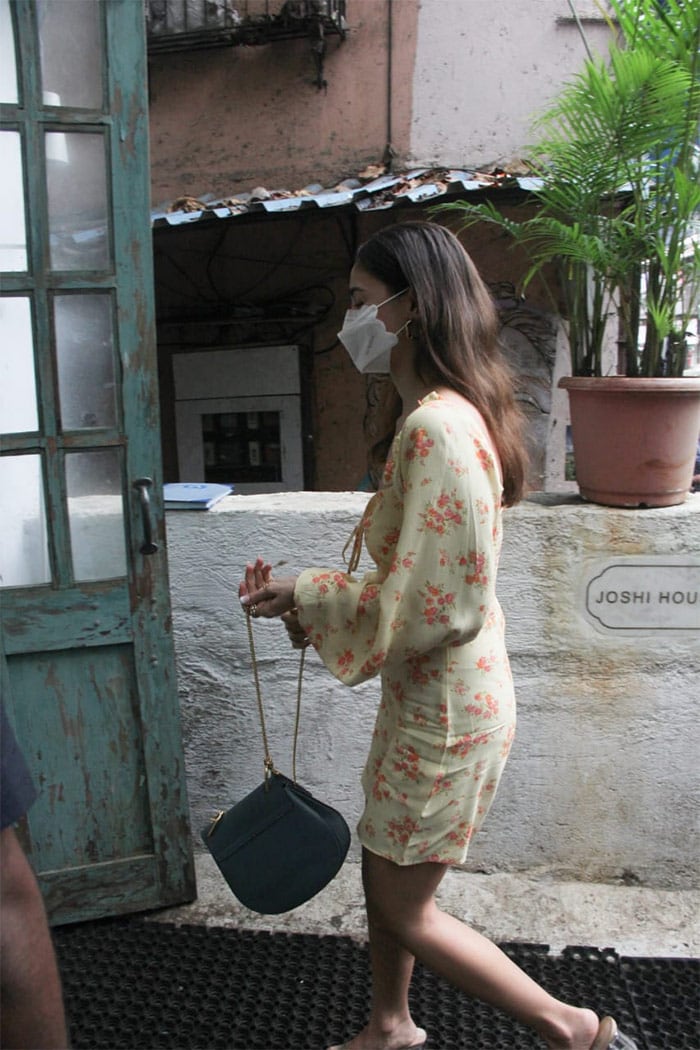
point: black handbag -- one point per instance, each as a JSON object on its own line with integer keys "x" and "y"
{"x": 279, "y": 846}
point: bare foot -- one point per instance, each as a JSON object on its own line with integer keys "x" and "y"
{"x": 580, "y": 1034}
{"x": 404, "y": 1037}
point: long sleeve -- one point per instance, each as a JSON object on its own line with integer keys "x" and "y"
{"x": 434, "y": 532}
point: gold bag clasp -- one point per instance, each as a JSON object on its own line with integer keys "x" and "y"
{"x": 215, "y": 821}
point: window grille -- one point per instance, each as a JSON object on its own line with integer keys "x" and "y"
{"x": 178, "y": 25}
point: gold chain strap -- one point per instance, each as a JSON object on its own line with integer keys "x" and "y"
{"x": 355, "y": 541}
{"x": 269, "y": 764}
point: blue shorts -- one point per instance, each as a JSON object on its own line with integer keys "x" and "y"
{"x": 17, "y": 791}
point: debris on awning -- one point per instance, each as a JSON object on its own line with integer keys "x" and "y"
{"x": 372, "y": 189}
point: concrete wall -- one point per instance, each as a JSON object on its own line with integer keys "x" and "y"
{"x": 483, "y": 71}
{"x": 602, "y": 783}
{"x": 445, "y": 82}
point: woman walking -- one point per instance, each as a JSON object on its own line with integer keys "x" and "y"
{"x": 427, "y": 620}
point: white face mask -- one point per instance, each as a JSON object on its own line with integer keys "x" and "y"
{"x": 366, "y": 338}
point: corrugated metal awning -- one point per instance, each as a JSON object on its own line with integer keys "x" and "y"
{"x": 369, "y": 191}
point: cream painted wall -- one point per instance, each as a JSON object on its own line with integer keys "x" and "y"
{"x": 483, "y": 69}
{"x": 602, "y": 783}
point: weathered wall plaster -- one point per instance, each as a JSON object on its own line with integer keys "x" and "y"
{"x": 443, "y": 82}
{"x": 483, "y": 71}
{"x": 234, "y": 119}
{"x": 602, "y": 782}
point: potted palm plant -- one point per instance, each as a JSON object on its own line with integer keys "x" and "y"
{"x": 617, "y": 213}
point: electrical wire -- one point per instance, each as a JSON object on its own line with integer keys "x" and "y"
{"x": 196, "y": 296}
{"x": 244, "y": 299}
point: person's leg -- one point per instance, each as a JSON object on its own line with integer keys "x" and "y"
{"x": 32, "y": 1003}
{"x": 401, "y": 908}
{"x": 390, "y": 1024}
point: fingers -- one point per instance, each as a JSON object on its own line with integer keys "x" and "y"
{"x": 262, "y": 573}
{"x": 258, "y": 602}
{"x": 257, "y": 576}
{"x": 299, "y": 641}
{"x": 297, "y": 635}
{"x": 249, "y": 580}
{"x": 263, "y": 595}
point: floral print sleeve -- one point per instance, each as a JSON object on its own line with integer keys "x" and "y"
{"x": 434, "y": 533}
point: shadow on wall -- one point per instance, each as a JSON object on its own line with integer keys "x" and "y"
{"x": 529, "y": 341}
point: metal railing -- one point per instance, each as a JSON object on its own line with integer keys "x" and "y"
{"x": 177, "y": 25}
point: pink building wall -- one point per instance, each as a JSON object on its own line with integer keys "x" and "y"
{"x": 231, "y": 119}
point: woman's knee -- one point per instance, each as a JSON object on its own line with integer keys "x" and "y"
{"x": 399, "y": 898}
{"x": 388, "y": 915}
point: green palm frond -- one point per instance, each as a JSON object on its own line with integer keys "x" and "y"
{"x": 617, "y": 153}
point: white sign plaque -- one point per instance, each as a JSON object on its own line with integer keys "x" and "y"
{"x": 644, "y": 594}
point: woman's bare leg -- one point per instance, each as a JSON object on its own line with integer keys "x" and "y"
{"x": 405, "y": 923}
{"x": 390, "y": 1026}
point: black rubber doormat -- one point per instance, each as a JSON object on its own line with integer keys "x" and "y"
{"x": 135, "y": 985}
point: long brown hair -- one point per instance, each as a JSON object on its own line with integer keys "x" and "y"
{"x": 456, "y": 335}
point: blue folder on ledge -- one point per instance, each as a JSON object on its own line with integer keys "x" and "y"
{"x": 193, "y": 495}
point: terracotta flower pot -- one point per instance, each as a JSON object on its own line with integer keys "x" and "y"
{"x": 634, "y": 440}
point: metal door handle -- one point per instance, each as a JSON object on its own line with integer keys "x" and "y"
{"x": 143, "y": 485}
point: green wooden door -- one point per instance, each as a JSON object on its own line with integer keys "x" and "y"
{"x": 87, "y": 660}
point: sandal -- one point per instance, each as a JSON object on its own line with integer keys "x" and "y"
{"x": 610, "y": 1037}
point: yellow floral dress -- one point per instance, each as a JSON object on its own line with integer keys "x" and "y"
{"x": 427, "y": 618}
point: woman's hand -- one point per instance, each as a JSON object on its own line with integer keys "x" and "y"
{"x": 297, "y": 635}
{"x": 262, "y": 594}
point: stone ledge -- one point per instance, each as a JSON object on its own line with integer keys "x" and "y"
{"x": 602, "y": 783}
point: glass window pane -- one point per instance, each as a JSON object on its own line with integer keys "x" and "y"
{"x": 96, "y": 514}
{"x": 71, "y": 51}
{"x": 13, "y": 237}
{"x": 245, "y": 446}
{"x": 77, "y": 191}
{"x": 18, "y": 403}
{"x": 24, "y": 555}
{"x": 8, "y": 65}
{"x": 84, "y": 354}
